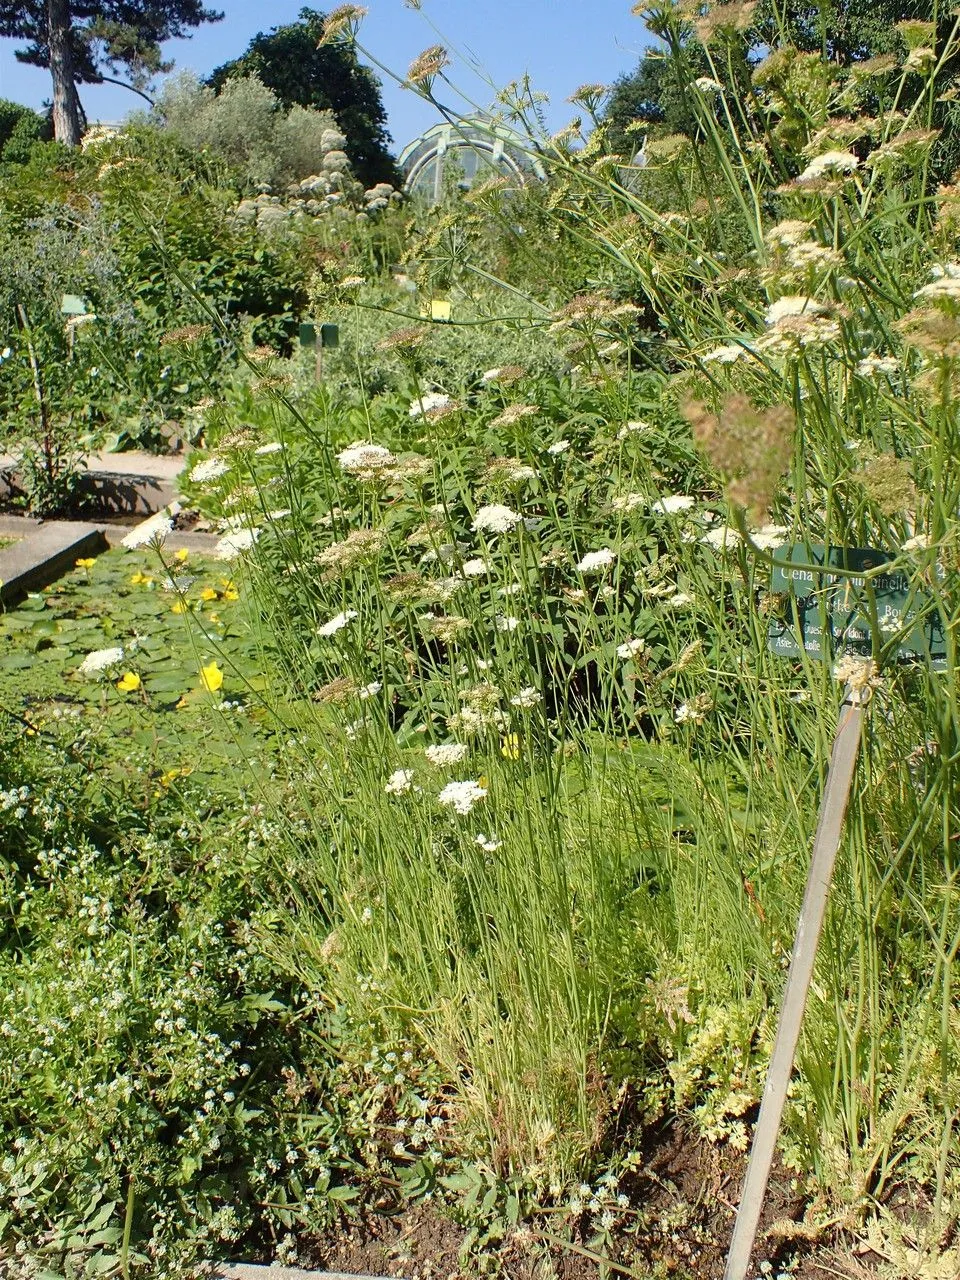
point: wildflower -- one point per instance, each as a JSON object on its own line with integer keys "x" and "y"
{"x": 357, "y": 548}
{"x": 510, "y": 746}
{"x": 410, "y": 338}
{"x": 489, "y": 844}
{"x": 527, "y": 697}
{"x": 273, "y": 446}
{"x": 443, "y": 755}
{"x": 728, "y": 354}
{"x": 515, "y": 413}
{"x": 337, "y": 623}
{"x": 233, "y": 543}
{"x": 427, "y": 66}
{"x": 154, "y": 530}
{"x": 829, "y": 164}
{"x": 872, "y": 365}
{"x": 504, "y": 622}
{"x": 695, "y": 710}
{"x": 561, "y": 446}
{"x": 679, "y": 600}
{"x": 509, "y": 470}
{"x": 336, "y": 691}
{"x": 506, "y": 374}
{"x": 181, "y": 556}
{"x": 86, "y": 562}
{"x": 399, "y": 782}
{"x": 597, "y": 561}
{"x": 185, "y": 335}
{"x": 178, "y": 607}
{"x": 672, "y": 504}
{"x": 722, "y": 538}
{"x": 99, "y": 660}
{"x": 366, "y": 461}
{"x": 630, "y": 649}
{"x": 369, "y": 690}
{"x": 475, "y": 568}
{"x": 345, "y": 18}
{"x": 211, "y": 677}
{"x": 707, "y": 85}
{"x": 447, "y": 628}
{"x": 919, "y": 542}
{"x": 627, "y": 502}
{"x": 128, "y": 682}
{"x": 208, "y": 593}
{"x": 860, "y": 674}
{"x": 462, "y": 796}
{"x": 209, "y": 469}
{"x": 751, "y": 446}
{"x": 769, "y": 536}
{"x": 495, "y": 519}
{"x": 793, "y": 305}
{"x": 432, "y": 404}
{"x": 788, "y": 234}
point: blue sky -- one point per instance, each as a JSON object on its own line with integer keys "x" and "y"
{"x": 561, "y": 43}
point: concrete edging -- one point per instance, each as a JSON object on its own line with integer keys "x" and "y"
{"x": 44, "y": 553}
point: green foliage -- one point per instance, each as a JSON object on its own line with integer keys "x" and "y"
{"x": 290, "y": 61}
{"x": 20, "y": 128}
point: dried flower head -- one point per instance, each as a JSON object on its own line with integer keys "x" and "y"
{"x": 344, "y": 20}
{"x": 750, "y": 447}
{"x": 427, "y": 66}
{"x": 408, "y": 339}
{"x": 185, "y": 335}
{"x": 360, "y": 547}
{"x": 887, "y": 482}
{"x": 515, "y": 413}
{"x": 336, "y": 692}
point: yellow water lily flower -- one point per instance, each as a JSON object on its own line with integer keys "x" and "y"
{"x": 211, "y": 677}
{"x": 128, "y": 682}
{"x": 139, "y": 579}
{"x": 86, "y": 562}
{"x": 179, "y": 607}
{"x": 181, "y": 556}
{"x": 510, "y": 746}
{"x": 208, "y": 593}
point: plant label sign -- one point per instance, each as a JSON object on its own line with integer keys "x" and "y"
{"x": 825, "y": 614}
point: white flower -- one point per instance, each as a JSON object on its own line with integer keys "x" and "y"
{"x": 673, "y": 503}
{"x": 337, "y": 623}
{"x": 273, "y": 447}
{"x": 706, "y": 85}
{"x": 366, "y": 461}
{"x": 596, "y": 561}
{"x": 919, "y": 542}
{"x": 721, "y": 538}
{"x": 489, "y": 844}
{"x": 6, "y": 353}
{"x": 208, "y": 469}
{"x": 278, "y": 514}
{"x": 399, "y": 782}
{"x": 442, "y": 755}
{"x": 769, "y": 536}
{"x": 429, "y": 401}
{"x": 830, "y": 162}
{"x": 526, "y": 698}
{"x": 154, "y": 530}
{"x": 728, "y": 354}
{"x": 630, "y": 649}
{"x": 678, "y": 601}
{"x": 233, "y": 543}
{"x": 475, "y": 568}
{"x": 561, "y": 446}
{"x": 462, "y": 796}
{"x": 873, "y": 364}
{"x": 793, "y": 304}
{"x": 369, "y": 690}
{"x": 99, "y": 660}
{"x": 490, "y": 375}
{"x": 505, "y": 623}
{"x": 495, "y": 519}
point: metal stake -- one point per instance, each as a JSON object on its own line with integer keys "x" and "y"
{"x": 833, "y": 806}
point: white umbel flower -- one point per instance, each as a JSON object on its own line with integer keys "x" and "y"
{"x": 597, "y": 561}
{"x": 209, "y": 469}
{"x": 100, "y": 660}
{"x": 672, "y": 504}
{"x": 399, "y": 782}
{"x": 526, "y": 698}
{"x": 495, "y": 519}
{"x": 337, "y": 623}
{"x": 829, "y": 164}
{"x": 443, "y": 755}
{"x": 462, "y": 796}
{"x": 428, "y": 402}
{"x": 154, "y": 530}
{"x": 791, "y": 305}
{"x": 231, "y": 544}
{"x": 365, "y": 461}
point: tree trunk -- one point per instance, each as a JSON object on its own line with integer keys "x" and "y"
{"x": 66, "y": 101}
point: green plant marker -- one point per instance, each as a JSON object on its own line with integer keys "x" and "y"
{"x": 72, "y": 304}
{"x": 308, "y": 335}
{"x": 329, "y": 335}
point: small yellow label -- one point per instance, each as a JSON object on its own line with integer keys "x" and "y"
{"x": 439, "y": 309}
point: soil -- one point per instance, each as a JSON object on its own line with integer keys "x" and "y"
{"x": 682, "y": 1210}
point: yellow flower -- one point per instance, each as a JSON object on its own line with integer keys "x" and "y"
{"x": 179, "y": 607}
{"x": 128, "y": 682}
{"x": 139, "y": 579}
{"x": 231, "y": 593}
{"x": 87, "y": 562}
{"x": 171, "y": 774}
{"x": 208, "y": 593}
{"x": 510, "y": 746}
{"x": 211, "y": 677}
{"x": 181, "y": 556}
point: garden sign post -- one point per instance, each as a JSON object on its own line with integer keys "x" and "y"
{"x": 854, "y": 612}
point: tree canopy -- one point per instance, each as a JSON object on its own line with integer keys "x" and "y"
{"x": 288, "y": 61}
{"x": 79, "y": 41}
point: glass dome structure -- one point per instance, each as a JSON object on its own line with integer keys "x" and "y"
{"x": 471, "y": 149}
